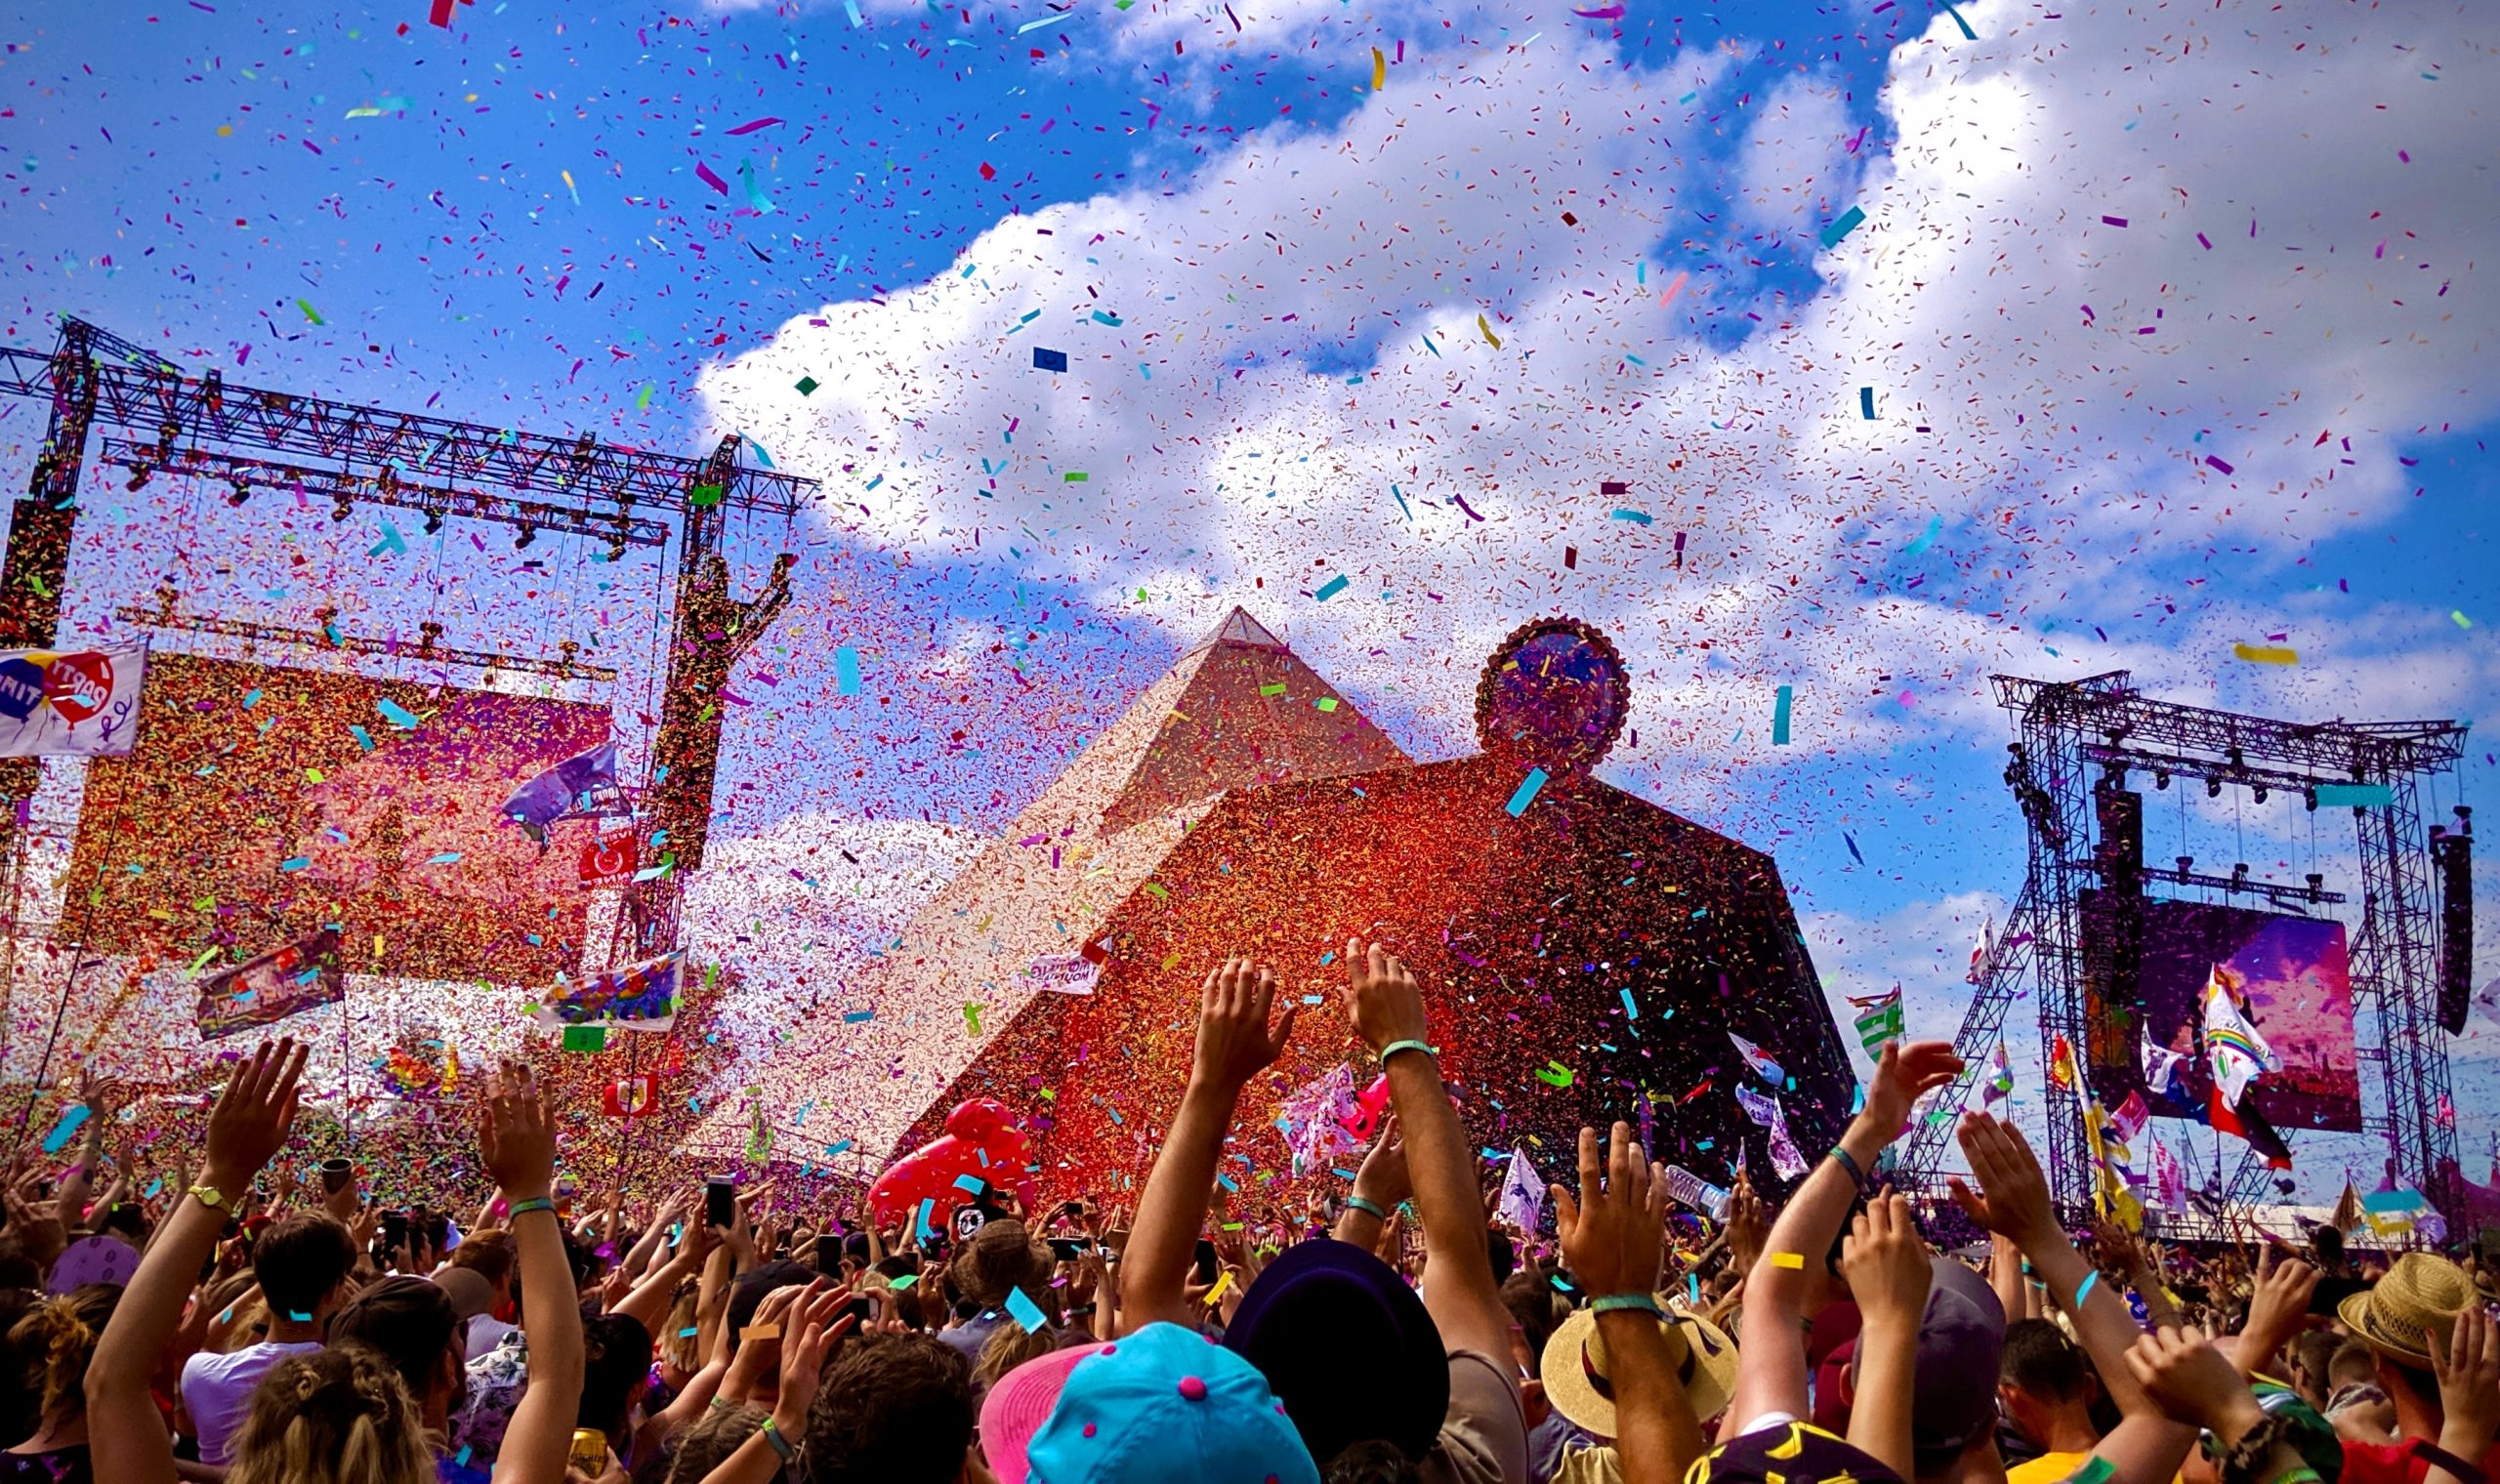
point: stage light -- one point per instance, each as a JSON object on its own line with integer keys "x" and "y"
{"x": 2261, "y": 793}
{"x": 2317, "y": 886}
{"x": 243, "y": 492}
{"x": 2239, "y": 877}
{"x": 2161, "y": 780}
{"x": 341, "y": 508}
{"x": 434, "y": 521}
{"x": 138, "y": 475}
{"x": 2184, "y": 861}
{"x": 2309, "y": 798}
{"x": 528, "y": 534}
{"x": 616, "y": 551}
{"x": 2213, "y": 787}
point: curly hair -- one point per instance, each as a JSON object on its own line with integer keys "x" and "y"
{"x": 56, "y": 1338}
{"x": 332, "y": 1417}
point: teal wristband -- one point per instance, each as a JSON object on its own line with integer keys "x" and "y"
{"x": 1856, "y": 1176}
{"x": 781, "y": 1445}
{"x": 534, "y": 1202}
{"x": 1646, "y": 1303}
{"x": 2084, "y": 1288}
{"x": 1369, "y": 1208}
{"x": 1395, "y": 1047}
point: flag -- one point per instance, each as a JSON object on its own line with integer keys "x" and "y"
{"x": 635, "y": 1096}
{"x": 1523, "y": 1202}
{"x": 2113, "y": 1175}
{"x": 759, "y": 1133}
{"x": 2247, "y": 1123}
{"x": 2131, "y": 1118}
{"x": 1785, "y": 1157}
{"x": 284, "y": 981}
{"x": 1314, "y": 1120}
{"x": 1880, "y": 1019}
{"x": 78, "y": 703}
{"x": 1758, "y": 1107}
{"x": 642, "y": 998}
{"x": 2062, "y": 1073}
{"x": 1999, "y": 1084}
{"x": 2166, "y": 1074}
{"x": 1759, "y": 1059}
{"x": 1980, "y": 952}
{"x": 2169, "y": 1181}
{"x": 2348, "y": 1206}
{"x": 583, "y": 783}
{"x": 2236, "y": 1051}
{"x": 2393, "y": 1212}
{"x": 609, "y": 861}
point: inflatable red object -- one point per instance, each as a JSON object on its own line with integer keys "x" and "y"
{"x": 982, "y": 1141}
{"x": 1371, "y": 1105}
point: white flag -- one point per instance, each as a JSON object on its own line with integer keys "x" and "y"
{"x": 2232, "y": 1045}
{"x": 81, "y": 702}
{"x": 1523, "y": 1202}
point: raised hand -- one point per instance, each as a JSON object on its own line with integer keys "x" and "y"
{"x": 2190, "y": 1380}
{"x": 254, "y": 1116}
{"x": 93, "y": 1091}
{"x": 1382, "y": 998}
{"x": 1382, "y": 1178}
{"x": 1885, "y": 1262}
{"x": 808, "y": 1332}
{"x": 2013, "y": 1200}
{"x": 1748, "y": 1224}
{"x": 2468, "y": 1366}
{"x": 515, "y": 1139}
{"x": 1903, "y": 1074}
{"x": 1611, "y": 1234}
{"x": 1235, "y": 1041}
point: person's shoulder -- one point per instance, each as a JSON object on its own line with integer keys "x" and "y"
{"x": 2047, "y": 1469}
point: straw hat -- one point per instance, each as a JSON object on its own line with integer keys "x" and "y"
{"x": 2395, "y": 1316}
{"x": 1576, "y": 1369}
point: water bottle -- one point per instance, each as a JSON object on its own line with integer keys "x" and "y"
{"x": 1699, "y": 1194}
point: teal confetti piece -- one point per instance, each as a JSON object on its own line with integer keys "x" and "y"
{"x": 968, "y": 1184}
{"x": 61, "y": 1132}
{"x": 1848, "y": 223}
{"x": 1866, "y": 403}
{"x": 395, "y": 713}
{"x": 1636, "y": 517}
{"x": 1779, "y": 717}
{"x": 443, "y": 858}
{"x": 1926, "y": 538}
{"x": 364, "y": 738}
{"x": 1331, "y": 588}
{"x": 1526, "y": 793}
{"x": 1631, "y": 1010}
{"x": 846, "y": 671}
{"x": 2360, "y": 795}
{"x": 1967, "y": 33}
{"x": 295, "y": 863}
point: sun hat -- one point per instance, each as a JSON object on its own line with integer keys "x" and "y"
{"x": 1347, "y": 1345}
{"x": 2395, "y": 1316}
{"x": 1580, "y": 1377}
{"x": 1162, "y": 1406}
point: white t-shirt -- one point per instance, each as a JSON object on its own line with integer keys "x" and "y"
{"x": 217, "y": 1392}
{"x": 484, "y": 1333}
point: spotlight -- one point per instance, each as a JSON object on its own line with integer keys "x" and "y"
{"x": 2161, "y": 780}
{"x": 434, "y": 521}
{"x": 341, "y": 508}
{"x": 2261, "y": 793}
{"x": 2317, "y": 886}
{"x": 243, "y": 492}
{"x": 2308, "y": 797}
{"x": 138, "y": 475}
{"x": 2213, "y": 787}
{"x": 528, "y": 534}
{"x": 2239, "y": 876}
{"x": 616, "y": 551}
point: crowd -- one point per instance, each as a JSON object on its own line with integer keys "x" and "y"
{"x": 1397, "y": 1333}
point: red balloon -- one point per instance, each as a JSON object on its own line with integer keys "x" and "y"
{"x": 982, "y": 1140}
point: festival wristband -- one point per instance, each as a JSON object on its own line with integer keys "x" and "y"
{"x": 521, "y": 1208}
{"x": 2440, "y": 1456}
{"x": 1613, "y": 1302}
{"x": 1856, "y": 1176}
{"x": 2083, "y": 1288}
{"x": 772, "y": 1434}
{"x": 1369, "y": 1208}
{"x": 214, "y": 1199}
{"x": 1395, "y": 1047}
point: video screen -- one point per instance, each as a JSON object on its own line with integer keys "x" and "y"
{"x": 262, "y": 803}
{"x": 2296, "y": 984}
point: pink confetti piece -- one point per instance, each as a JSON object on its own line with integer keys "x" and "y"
{"x": 2109, "y": 220}
{"x": 2205, "y": 241}
{"x": 2218, "y": 463}
{"x": 703, "y": 173}
{"x": 751, "y": 125}
{"x": 1601, "y": 13}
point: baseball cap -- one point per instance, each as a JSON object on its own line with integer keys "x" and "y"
{"x": 1961, "y": 1339}
{"x": 470, "y": 1293}
{"x": 1162, "y": 1406}
{"x": 1349, "y": 1349}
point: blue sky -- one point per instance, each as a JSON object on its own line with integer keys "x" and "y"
{"x": 508, "y": 221}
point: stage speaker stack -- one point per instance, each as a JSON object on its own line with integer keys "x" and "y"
{"x": 2121, "y": 859}
{"x": 2452, "y": 853}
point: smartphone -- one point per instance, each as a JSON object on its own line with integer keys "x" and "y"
{"x": 335, "y": 1174}
{"x": 721, "y": 1201}
{"x": 1207, "y": 1265}
{"x": 394, "y": 1230}
{"x": 830, "y": 1254}
{"x": 1069, "y": 1249}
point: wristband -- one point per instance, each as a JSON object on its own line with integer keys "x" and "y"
{"x": 1856, "y": 1176}
{"x": 772, "y": 1434}
{"x": 520, "y": 1208}
{"x": 1395, "y": 1047}
{"x": 1369, "y": 1208}
{"x": 1646, "y": 1303}
{"x": 214, "y": 1199}
{"x": 2084, "y": 1288}
{"x": 2434, "y": 1454}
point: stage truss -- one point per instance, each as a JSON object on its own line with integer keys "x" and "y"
{"x": 2075, "y": 737}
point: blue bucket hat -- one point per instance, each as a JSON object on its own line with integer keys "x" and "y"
{"x": 1165, "y": 1406}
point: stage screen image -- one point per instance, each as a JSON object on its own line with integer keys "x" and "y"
{"x": 2297, "y": 981}
{"x": 263, "y": 803}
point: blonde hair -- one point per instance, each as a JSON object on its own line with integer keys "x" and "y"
{"x": 334, "y": 1417}
{"x": 58, "y": 1338}
{"x": 679, "y": 1348}
{"x": 1010, "y": 1346}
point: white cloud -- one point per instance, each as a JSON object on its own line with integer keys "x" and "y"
{"x": 1277, "y": 372}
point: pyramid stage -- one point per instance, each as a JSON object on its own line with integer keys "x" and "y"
{"x": 1242, "y": 806}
